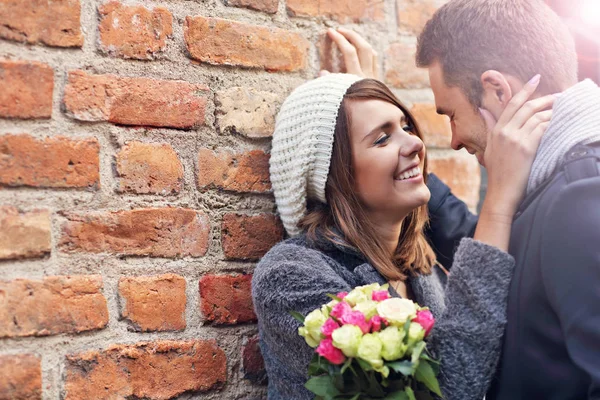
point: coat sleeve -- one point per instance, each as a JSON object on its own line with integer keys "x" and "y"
{"x": 449, "y": 221}
{"x": 570, "y": 258}
{"x": 282, "y": 284}
{"x": 467, "y": 337}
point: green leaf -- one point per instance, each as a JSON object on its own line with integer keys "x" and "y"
{"x": 405, "y": 367}
{"x": 416, "y": 353}
{"x": 346, "y": 365}
{"x": 427, "y": 357}
{"x": 410, "y": 393}
{"x": 399, "y": 395}
{"x": 364, "y": 365}
{"x": 333, "y": 297}
{"x": 299, "y": 317}
{"x": 356, "y": 397}
{"x": 322, "y": 386}
{"x": 426, "y": 376}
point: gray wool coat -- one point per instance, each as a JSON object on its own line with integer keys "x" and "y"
{"x": 470, "y": 310}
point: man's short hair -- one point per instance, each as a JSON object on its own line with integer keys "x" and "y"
{"x": 517, "y": 37}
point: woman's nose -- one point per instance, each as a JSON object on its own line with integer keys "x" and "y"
{"x": 412, "y": 146}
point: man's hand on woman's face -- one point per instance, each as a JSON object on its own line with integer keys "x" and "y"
{"x": 359, "y": 56}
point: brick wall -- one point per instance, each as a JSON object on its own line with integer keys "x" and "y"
{"x": 134, "y": 190}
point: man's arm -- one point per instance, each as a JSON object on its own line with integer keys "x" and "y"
{"x": 450, "y": 221}
{"x": 571, "y": 272}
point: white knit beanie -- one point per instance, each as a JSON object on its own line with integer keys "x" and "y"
{"x": 303, "y": 143}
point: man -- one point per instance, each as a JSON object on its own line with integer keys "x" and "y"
{"x": 479, "y": 53}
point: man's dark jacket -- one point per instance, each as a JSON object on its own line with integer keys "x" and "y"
{"x": 551, "y": 347}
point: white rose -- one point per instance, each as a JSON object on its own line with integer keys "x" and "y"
{"x": 397, "y": 311}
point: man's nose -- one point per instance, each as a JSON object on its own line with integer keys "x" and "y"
{"x": 455, "y": 143}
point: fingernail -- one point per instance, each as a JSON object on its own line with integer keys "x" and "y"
{"x": 535, "y": 80}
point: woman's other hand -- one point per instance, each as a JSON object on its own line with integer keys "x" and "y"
{"x": 358, "y": 55}
{"x": 512, "y": 144}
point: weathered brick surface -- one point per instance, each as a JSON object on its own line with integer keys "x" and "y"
{"x": 226, "y": 299}
{"x": 57, "y": 304}
{"x": 133, "y": 31}
{"x": 245, "y": 172}
{"x": 249, "y": 237}
{"x": 149, "y": 168}
{"x": 341, "y": 10}
{"x": 435, "y": 127}
{"x": 157, "y": 232}
{"x": 135, "y": 101}
{"x": 153, "y": 303}
{"x": 54, "y": 23}
{"x": 400, "y": 69}
{"x": 413, "y": 14}
{"x": 460, "y": 172}
{"x": 24, "y": 235}
{"x": 253, "y": 364}
{"x": 26, "y": 89}
{"x": 151, "y": 370}
{"x": 268, "y": 6}
{"x": 221, "y": 41}
{"x": 247, "y": 111}
{"x": 20, "y": 377}
{"x": 54, "y": 162}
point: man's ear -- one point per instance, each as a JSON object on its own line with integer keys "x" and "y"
{"x": 496, "y": 92}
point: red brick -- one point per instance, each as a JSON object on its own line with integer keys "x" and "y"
{"x": 246, "y": 172}
{"x": 400, "y": 69}
{"x": 249, "y": 237}
{"x": 227, "y": 299}
{"x": 435, "y": 127}
{"x": 26, "y": 89}
{"x": 20, "y": 377}
{"x": 268, "y": 6}
{"x": 221, "y": 41}
{"x": 134, "y": 31}
{"x": 55, "y": 162}
{"x": 149, "y": 168}
{"x": 153, "y": 303}
{"x": 340, "y": 10}
{"x": 157, "y": 232}
{"x": 57, "y": 304}
{"x": 460, "y": 171}
{"x": 135, "y": 101}
{"x": 151, "y": 370}
{"x": 253, "y": 364}
{"x": 24, "y": 234}
{"x": 247, "y": 111}
{"x": 329, "y": 55}
{"x": 413, "y": 14}
{"x": 54, "y": 23}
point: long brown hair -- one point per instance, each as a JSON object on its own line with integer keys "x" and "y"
{"x": 343, "y": 219}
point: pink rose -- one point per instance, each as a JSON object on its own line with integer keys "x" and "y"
{"x": 328, "y": 327}
{"x": 341, "y": 295}
{"x": 356, "y": 318}
{"x": 380, "y": 295}
{"x": 426, "y": 320}
{"x": 376, "y": 323}
{"x": 340, "y": 309}
{"x": 333, "y": 355}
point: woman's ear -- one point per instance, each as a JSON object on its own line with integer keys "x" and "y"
{"x": 496, "y": 92}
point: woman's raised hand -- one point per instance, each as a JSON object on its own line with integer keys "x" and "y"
{"x": 359, "y": 56}
{"x": 512, "y": 144}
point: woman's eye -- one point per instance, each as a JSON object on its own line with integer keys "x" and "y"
{"x": 384, "y": 138}
{"x": 408, "y": 128}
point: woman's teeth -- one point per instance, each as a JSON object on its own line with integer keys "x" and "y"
{"x": 409, "y": 174}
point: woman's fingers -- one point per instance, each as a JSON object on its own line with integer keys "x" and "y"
{"x": 530, "y": 109}
{"x": 518, "y": 100}
{"x": 375, "y": 65}
{"x": 348, "y": 52}
{"x": 537, "y": 119}
{"x": 363, "y": 50}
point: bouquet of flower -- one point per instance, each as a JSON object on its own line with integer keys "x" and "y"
{"x": 370, "y": 346}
